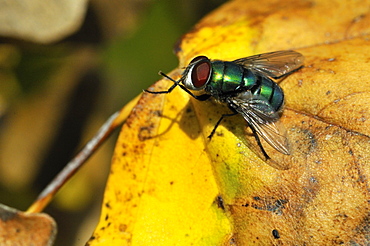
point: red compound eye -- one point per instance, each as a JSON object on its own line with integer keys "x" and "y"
{"x": 201, "y": 71}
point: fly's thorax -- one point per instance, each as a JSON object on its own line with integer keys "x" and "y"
{"x": 229, "y": 77}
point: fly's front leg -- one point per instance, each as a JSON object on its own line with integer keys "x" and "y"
{"x": 175, "y": 83}
{"x": 163, "y": 92}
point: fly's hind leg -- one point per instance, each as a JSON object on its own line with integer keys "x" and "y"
{"x": 259, "y": 143}
{"x": 253, "y": 130}
{"x": 289, "y": 73}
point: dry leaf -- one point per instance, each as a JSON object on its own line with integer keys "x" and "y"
{"x": 18, "y": 228}
{"x": 170, "y": 185}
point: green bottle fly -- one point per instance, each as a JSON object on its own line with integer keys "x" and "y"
{"x": 246, "y": 86}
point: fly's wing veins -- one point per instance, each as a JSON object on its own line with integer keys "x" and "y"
{"x": 274, "y": 64}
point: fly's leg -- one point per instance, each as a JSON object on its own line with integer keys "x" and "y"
{"x": 202, "y": 97}
{"x": 259, "y": 143}
{"x": 164, "y": 92}
{"x": 287, "y": 74}
{"x": 233, "y": 107}
{"x": 253, "y": 130}
{"x": 218, "y": 123}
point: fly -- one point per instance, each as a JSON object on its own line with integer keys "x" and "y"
{"x": 245, "y": 85}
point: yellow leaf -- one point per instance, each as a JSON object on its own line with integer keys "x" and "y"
{"x": 170, "y": 185}
{"x": 176, "y": 199}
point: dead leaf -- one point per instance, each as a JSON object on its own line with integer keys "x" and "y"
{"x": 18, "y": 228}
{"x": 170, "y": 185}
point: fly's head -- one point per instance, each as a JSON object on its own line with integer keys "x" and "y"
{"x": 197, "y": 74}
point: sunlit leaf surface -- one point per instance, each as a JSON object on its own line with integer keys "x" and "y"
{"x": 170, "y": 185}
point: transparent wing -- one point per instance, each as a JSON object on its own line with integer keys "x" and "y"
{"x": 262, "y": 117}
{"x": 274, "y": 64}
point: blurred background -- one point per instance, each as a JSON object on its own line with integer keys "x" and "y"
{"x": 65, "y": 67}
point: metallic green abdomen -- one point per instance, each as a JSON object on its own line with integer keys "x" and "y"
{"x": 271, "y": 91}
{"x": 229, "y": 78}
